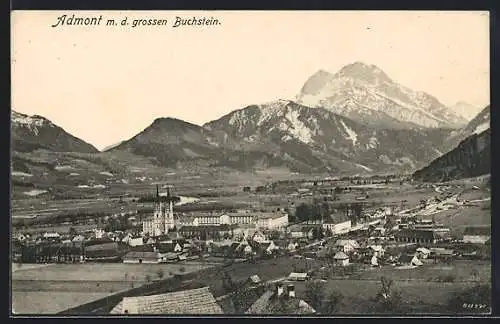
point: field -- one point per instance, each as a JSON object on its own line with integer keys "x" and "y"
{"x": 47, "y": 302}
{"x": 358, "y": 294}
{"x": 462, "y": 271}
{"x": 45, "y": 289}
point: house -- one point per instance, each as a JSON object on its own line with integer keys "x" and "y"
{"x": 378, "y": 250}
{"x": 407, "y": 259}
{"x": 206, "y": 232}
{"x": 109, "y": 251}
{"x": 415, "y": 261}
{"x": 416, "y": 236}
{"x": 255, "y": 280}
{"x": 165, "y": 247}
{"x": 292, "y": 246}
{"x": 258, "y": 237}
{"x": 337, "y": 229}
{"x": 347, "y": 246}
{"x": 133, "y": 241}
{"x": 194, "y": 301}
{"x": 341, "y": 259}
{"x": 477, "y": 234}
{"x": 279, "y": 301}
{"x": 267, "y": 247}
{"x": 301, "y": 232}
{"x": 54, "y": 237}
{"x": 272, "y": 220}
{"x": 142, "y": 257}
{"x": 441, "y": 253}
{"x": 78, "y": 239}
{"x": 423, "y": 253}
{"x": 298, "y": 276}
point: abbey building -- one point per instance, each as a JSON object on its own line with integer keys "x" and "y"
{"x": 163, "y": 217}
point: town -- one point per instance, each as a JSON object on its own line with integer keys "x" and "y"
{"x": 333, "y": 229}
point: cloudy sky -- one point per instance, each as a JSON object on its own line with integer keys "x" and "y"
{"x": 105, "y": 84}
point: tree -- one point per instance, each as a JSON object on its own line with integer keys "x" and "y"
{"x": 322, "y": 302}
{"x": 148, "y": 278}
{"x": 160, "y": 273}
{"x": 227, "y": 282}
{"x": 388, "y": 300}
{"x": 302, "y": 213}
{"x": 315, "y": 293}
{"x": 72, "y": 231}
{"x": 330, "y": 305}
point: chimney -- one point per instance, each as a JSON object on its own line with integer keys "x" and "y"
{"x": 279, "y": 290}
{"x": 291, "y": 291}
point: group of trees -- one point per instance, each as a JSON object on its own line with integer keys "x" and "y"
{"x": 322, "y": 211}
{"x": 322, "y": 301}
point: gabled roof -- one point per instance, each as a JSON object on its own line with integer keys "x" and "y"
{"x": 340, "y": 256}
{"x": 194, "y": 301}
{"x": 269, "y": 303}
{"x": 347, "y": 242}
{"x": 142, "y": 255}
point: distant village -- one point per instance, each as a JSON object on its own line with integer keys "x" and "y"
{"x": 352, "y": 236}
{"x": 168, "y": 236}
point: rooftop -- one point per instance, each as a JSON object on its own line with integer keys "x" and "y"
{"x": 194, "y": 301}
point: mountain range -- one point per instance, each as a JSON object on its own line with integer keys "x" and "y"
{"x": 354, "y": 121}
{"x": 29, "y": 133}
{"x": 364, "y": 93}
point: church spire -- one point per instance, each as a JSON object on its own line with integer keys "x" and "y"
{"x": 157, "y": 193}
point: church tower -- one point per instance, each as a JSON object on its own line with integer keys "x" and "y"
{"x": 169, "y": 215}
{"x": 158, "y": 215}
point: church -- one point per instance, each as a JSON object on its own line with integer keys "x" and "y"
{"x": 163, "y": 216}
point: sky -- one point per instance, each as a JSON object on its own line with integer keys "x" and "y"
{"x": 105, "y": 84}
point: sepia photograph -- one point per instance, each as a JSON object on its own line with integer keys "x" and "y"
{"x": 251, "y": 163}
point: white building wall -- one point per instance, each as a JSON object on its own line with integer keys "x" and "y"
{"x": 475, "y": 239}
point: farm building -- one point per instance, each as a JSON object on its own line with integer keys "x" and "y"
{"x": 477, "y": 234}
{"x": 195, "y": 301}
{"x": 279, "y": 301}
{"x": 347, "y": 246}
{"x": 143, "y": 257}
{"x": 339, "y": 228}
{"x": 111, "y": 251}
{"x": 272, "y": 220}
{"x": 255, "y": 279}
{"x": 298, "y": 276}
{"x": 298, "y": 232}
{"x": 341, "y": 259}
{"x": 204, "y": 232}
{"x": 407, "y": 259}
{"x": 416, "y": 236}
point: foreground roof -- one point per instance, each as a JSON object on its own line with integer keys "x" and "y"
{"x": 269, "y": 303}
{"x": 194, "y": 301}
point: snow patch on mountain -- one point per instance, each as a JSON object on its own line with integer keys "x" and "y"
{"x": 372, "y": 143}
{"x": 31, "y": 122}
{"x": 351, "y": 135}
{"x": 482, "y": 127}
{"x": 296, "y": 127}
{"x": 364, "y": 167}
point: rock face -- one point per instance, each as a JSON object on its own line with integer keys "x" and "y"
{"x": 465, "y": 110}
{"x": 476, "y": 126}
{"x": 285, "y": 134}
{"x": 471, "y": 158}
{"x": 29, "y": 133}
{"x": 364, "y": 93}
